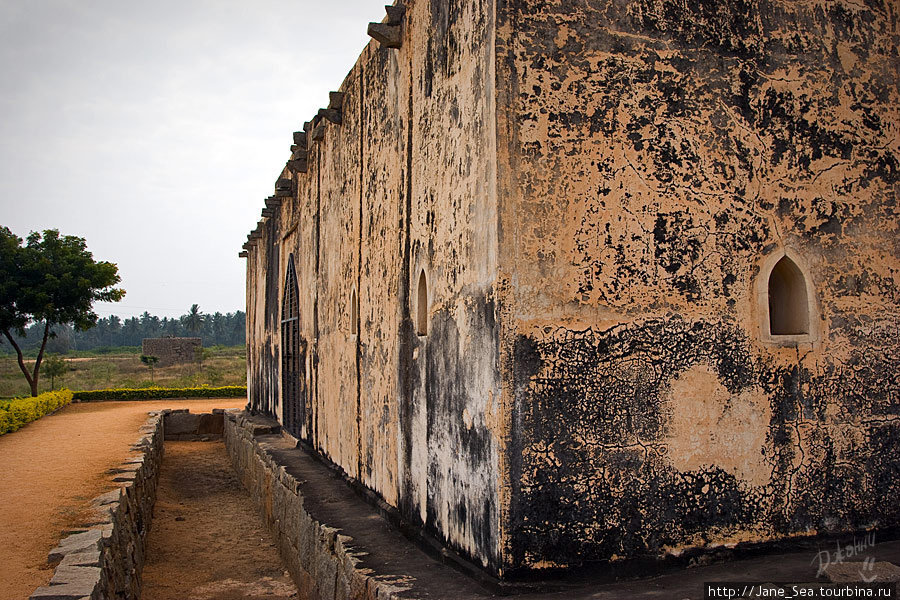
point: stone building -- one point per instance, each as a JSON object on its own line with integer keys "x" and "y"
{"x": 566, "y": 281}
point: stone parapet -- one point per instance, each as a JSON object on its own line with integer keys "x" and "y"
{"x": 104, "y": 559}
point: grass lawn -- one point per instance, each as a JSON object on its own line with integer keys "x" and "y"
{"x": 124, "y": 369}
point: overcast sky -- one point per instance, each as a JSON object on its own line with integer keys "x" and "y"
{"x": 155, "y": 130}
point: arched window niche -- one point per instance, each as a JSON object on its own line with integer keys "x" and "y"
{"x": 422, "y": 305}
{"x": 354, "y": 313}
{"x": 293, "y": 355}
{"x": 786, "y": 300}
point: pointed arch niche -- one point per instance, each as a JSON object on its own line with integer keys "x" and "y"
{"x": 422, "y": 305}
{"x": 354, "y": 312}
{"x": 292, "y": 356}
{"x": 786, "y": 300}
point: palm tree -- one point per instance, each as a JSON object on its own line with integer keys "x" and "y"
{"x": 193, "y": 321}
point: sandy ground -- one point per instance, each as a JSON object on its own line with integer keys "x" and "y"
{"x": 207, "y": 542}
{"x": 52, "y": 468}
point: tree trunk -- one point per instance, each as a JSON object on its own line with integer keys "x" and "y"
{"x": 32, "y": 377}
{"x": 21, "y": 359}
{"x": 37, "y": 363}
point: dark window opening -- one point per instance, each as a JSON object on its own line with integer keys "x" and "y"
{"x": 354, "y": 313}
{"x": 293, "y": 357}
{"x": 422, "y": 306}
{"x": 788, "y": 300}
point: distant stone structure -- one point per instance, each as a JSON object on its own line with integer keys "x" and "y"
{"x": 569, "y": 282}
{"x": 172, "y": 350}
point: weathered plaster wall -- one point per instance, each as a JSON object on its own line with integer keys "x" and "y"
{"x": 451, "y": 453}
{"x": 406, "y": 182}
{"x": 652, "y": 155}
{"x": 262, "y": 379}
{"x": 337, "y": 160}
{"x": 383, "y": 156}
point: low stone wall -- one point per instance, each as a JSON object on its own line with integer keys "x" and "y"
{"x": 319, "y": 559}
{"x": 104, "y": 559}
{"x": 183, "y": 426}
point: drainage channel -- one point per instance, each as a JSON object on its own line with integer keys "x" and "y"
{"x": 207, "y": 541}
{"x": 179, "y": 524}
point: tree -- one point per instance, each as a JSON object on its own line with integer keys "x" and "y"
{"x": 150, "y": 361}
{"x": 55, "y": 366}
{"x": 193, "y": 321}
{"x": 52, "y": 280}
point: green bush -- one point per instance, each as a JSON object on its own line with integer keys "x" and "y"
{"x": 21, "y": 411}
{"x": 154, "y": 393}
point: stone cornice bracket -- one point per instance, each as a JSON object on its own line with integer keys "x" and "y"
{"x": 314, "y": 131}
{"x": 318, "y": 133}
{"x": 242, "y": 254}
{"x": 336, "y": 100}
{"x": 333, "y": 112}
{"x": 268, "y": 212}
{"x": 298, "y": 162}
{"x": 284, "y": 188}
{"x": 273, "y": 201}
{"x": 389, "y": 33}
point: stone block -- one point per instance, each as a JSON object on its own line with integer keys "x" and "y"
{"x": 88, "y": 558}
{"x": 108, "y": 498}
{"x": 336, "y": 100}
{"x": 76, "y": 575}
{"x": 211, "y": 424}
{"x": 80, "y": 542}
{"x": 358, "y": 583}
{"x": 63, "y": 592}
{"x": 332, "y": 115}
{"x": 326, "y": 573}
{"x": 102, "y": 515}
{"x": 181, "y": 423}
{"x": 386, "y": 591}
{"x": 388, "y": 36}
{"x": 125, "y": 468}
{"x": 395, "y": 14}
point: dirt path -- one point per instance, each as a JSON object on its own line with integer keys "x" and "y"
{"x": 49, "y": 471}
{"x": 207, "y": 542}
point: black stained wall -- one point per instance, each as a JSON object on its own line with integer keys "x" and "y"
{"x": 655, "y": 156}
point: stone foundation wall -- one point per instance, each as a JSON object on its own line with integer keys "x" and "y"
{"x": 317, "y": 556}
{"x": 104, "y": 559}
{"x": 182, "y": 426}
